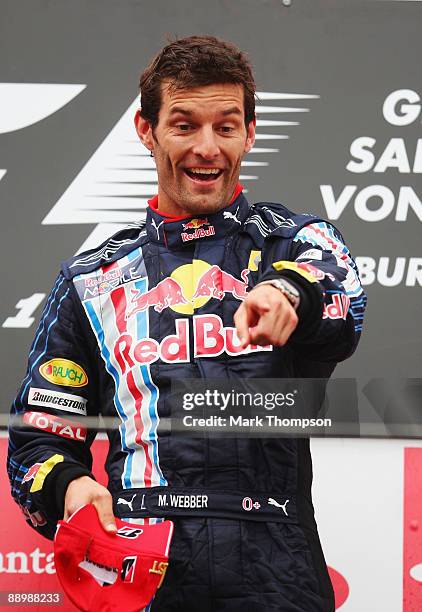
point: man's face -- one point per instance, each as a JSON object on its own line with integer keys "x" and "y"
{"x": 198, "y": 147}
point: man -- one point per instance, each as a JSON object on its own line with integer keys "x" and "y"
{"x": 161, "y": 301}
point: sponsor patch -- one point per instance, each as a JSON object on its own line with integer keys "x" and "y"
{"x": 32, "y": 472}
{"x": 56, "y": 425}
{"x": 311, "y": 254}
{"x": 306, "y": 270}
{"x": 159, "y": 567}
{"x": 210, "y": 339}
{"x": 129, "y": 532}
{"x": 195, "y": 224}
{"x": 103, "y": 574}
{"x": 102, "y": 283}
{"x": 338, "y": 308}
{"x": 44, "y": 471}
{"x": 254, "y": 260}
{"x": 201, "y": 228}
{"x": 178, "y": 290}
{"x": 57, "y": 400}
{"x": 198, "y": 233}
{"x": 64, "y": 372}
{"x": 128, "y": 569}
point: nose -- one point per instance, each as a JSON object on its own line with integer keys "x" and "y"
{"x": 206, "y": 145}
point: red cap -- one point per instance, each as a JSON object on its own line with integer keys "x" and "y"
{"x": 103, "y": 572}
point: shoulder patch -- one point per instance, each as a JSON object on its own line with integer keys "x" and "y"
{"x": 112, "y": 249}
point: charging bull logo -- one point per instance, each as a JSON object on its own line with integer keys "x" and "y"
{"x": 216, "y": 283}
{"x": 168, "y": 292}
{"x": 189, "y": 287}
{"x": 32, "y": 472}
{"x": 201, "y": 229}
{"x": 195, "y": 224}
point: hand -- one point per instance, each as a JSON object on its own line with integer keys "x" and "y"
{"x": 265, "y": 317}
{"x": 84, "y": 490}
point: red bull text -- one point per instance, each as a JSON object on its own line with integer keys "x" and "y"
{"x": 210, "y": 339}
{"x": 338, "y": 308}
{"x": 198, "y": 233}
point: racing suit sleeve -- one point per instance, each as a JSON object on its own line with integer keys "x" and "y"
{"x": 49, "y": 444}
{"x": 332, "y": 301}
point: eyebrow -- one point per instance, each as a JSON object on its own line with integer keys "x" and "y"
{"x": 178, "y": 110}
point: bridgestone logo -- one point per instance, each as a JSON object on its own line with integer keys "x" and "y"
{"x": 58, "y": 400}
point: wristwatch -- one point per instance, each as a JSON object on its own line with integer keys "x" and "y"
{"x": 289, "y": 290}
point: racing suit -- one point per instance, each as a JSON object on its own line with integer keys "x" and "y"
{"x": 154, "y": 303}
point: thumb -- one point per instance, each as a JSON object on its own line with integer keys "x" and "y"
{"x": 106, "y": 516}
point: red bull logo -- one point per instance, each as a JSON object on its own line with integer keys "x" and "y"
{"x": 180, "y": 292}
{"x": 32, "y": 472}
{"x": 198, "y": 233}
{"x": 167, "y": 293}
{"x": 201, "y": 229}
{"x": 305, "y": 269}
{"x": 210, "y": 339}
{"x": 109, "y": 276}
{"x": 338, "y": 308}
{"x": 195, "y": 223}
{"x": 310, "y": 269}
{"x": 216, "y": 283}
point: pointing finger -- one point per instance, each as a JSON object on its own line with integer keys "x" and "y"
{"x": 242, "y": 328}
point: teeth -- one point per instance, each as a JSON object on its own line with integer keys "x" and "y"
{"x": 204, "y": 170}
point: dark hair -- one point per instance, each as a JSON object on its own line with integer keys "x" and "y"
{"x": 192, "y": 62}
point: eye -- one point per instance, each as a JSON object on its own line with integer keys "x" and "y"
{"x": 184, "y": 127}
{"x": 226, "y": 129}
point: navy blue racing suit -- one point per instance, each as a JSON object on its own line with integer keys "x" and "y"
{"x": 156, "y": 302}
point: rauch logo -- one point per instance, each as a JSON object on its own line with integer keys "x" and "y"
{"x": 64, "y": 372}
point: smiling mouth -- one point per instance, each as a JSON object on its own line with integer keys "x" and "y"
{"x": 203, "y": 175}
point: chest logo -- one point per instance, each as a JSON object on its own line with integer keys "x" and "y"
{"x": 189, "y": 287}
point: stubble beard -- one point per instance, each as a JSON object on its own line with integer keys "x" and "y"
{"x": 202, "y": 204}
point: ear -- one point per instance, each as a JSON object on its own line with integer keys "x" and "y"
{"x": 250, "y": 137}
{"x": 144, "y": 130}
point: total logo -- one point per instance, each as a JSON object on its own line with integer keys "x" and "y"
{"x": 56, "y": 425}
{"x": 189, "y": 287}
{"x": 64, "y": 372}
